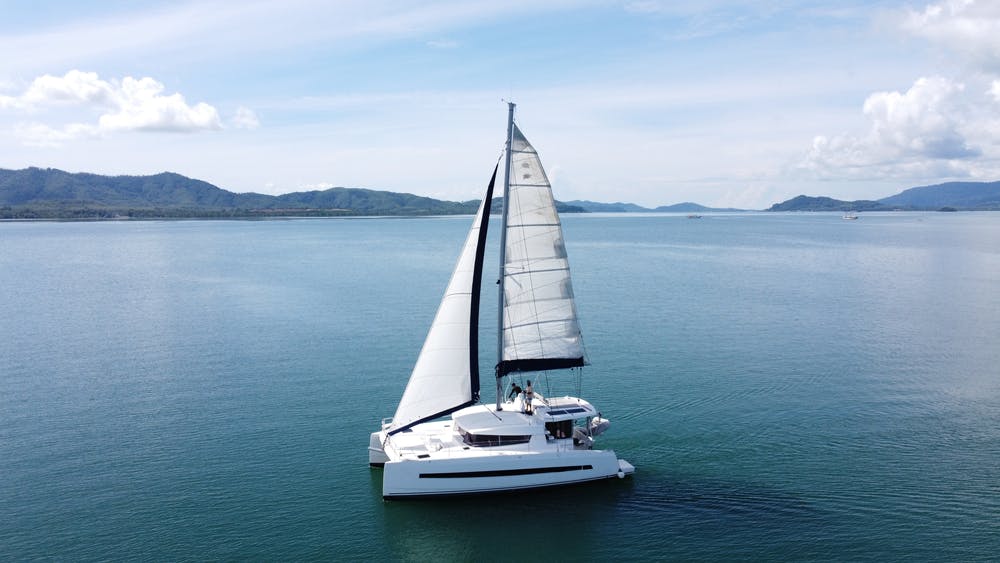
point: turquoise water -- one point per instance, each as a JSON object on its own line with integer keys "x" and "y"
{"x": 788, "y": 386}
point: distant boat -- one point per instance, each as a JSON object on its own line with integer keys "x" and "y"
{"x": 694, "y": 216}
{"x": 525, "y": 440}
{"x": 850, "y": 216}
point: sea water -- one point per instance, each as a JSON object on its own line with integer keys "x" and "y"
{"x": 788, "y": 386}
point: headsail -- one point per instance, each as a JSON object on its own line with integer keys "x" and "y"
{"x": 446, "y": 375}
{"x": 540, "y": 327}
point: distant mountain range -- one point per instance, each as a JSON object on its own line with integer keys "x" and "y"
{"x": 949, "y": 196}
{"x": 36, "y": 193}
{"x": 686, "y": 207}
{"x": 48, "y": 193}
{"x": 54, "y": 194}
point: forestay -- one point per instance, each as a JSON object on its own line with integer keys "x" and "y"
{"x": 446, "y": 375}
{"x": 540, "y": 327}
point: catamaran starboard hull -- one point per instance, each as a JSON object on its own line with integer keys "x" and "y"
{"x": 497, "y": 474}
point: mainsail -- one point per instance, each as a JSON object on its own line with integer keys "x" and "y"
{"x": 446, "y": 375}
{"x": 540, "y": 327}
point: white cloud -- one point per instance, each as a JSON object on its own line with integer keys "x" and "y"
{"x": 968, "y": 27}
{"x": 930, "y": 130}
{"x": 41, "y": 135}
{"x": 127, "y": 105}
{"x": 205, "y": 32}
{"x": 923, "y": 122}
{"x": 74, "y": 87}
{"x": 245, "y": 118}
{"x": 142, "y": 107}
{"x": 995, "y": 90}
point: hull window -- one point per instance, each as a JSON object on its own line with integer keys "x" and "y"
{"x": 505, "y": 472}
{"x": 561, "y": 429}
{"x": 490, "y": 440}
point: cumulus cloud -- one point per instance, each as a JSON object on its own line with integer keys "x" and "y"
{"x": 968, "y": 27}
{"x": 940, "y": 127}
{"x": 129, "y": 104}
{"x": 932, "y": 129}
{"x": 141, "y": 106}
{"x": 923, "y": 122}
{"x": 75, "y": 87}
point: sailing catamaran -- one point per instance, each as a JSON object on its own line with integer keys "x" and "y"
{"x": 520, "y": 442}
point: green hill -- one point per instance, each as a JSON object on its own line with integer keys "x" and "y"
{"x": 617, "y": 207}
{"x": 370, "y": 202}
{"x": 807, "y": 203}
{"x": 36, "y": 193}
{"x": 960, "y": 195}
{"x": 688, "y": 207}
{"x": 55, "y": 194}
{"x": 951, "y": 195}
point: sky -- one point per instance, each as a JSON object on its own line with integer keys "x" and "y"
{"x": 727, "y": 103}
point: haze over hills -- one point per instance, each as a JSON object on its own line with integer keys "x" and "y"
{"x": 56, "y": 194}
{"x": 960, "y": 195}
{"x": 688, "y": 207}
{"x": 619, "y": 207}
{"x": 950, "y": 195}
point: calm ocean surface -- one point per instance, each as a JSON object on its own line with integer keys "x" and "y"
{"x": 787, "y": 386}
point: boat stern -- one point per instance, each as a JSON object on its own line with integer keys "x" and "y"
{"x": 376, "y": 452}
{"x": 625, "y": 468}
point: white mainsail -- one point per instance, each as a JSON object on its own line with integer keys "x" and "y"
{"x": 540, "y": 327}
{"x": 446, "y": 375}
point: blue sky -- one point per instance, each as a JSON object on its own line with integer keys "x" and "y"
{"x": 725, "y": 103}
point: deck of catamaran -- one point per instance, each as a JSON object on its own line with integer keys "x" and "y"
{"x": 482, "y": 449}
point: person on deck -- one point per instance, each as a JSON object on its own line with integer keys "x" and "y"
{"x": 514, "y": 391}
{"x": 529, "y": 394}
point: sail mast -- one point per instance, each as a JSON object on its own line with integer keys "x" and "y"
{"x": 503, "y": 248}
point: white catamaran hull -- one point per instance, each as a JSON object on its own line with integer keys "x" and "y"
{"x": 450, "y": 457}
{"x": 491, "y": 474}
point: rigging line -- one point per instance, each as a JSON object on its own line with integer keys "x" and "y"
{"x": 536, "y": 322}
{"x": 556, "y": 224}
{"x": 495, "y": 415}
{"x": 541, "y": 271}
